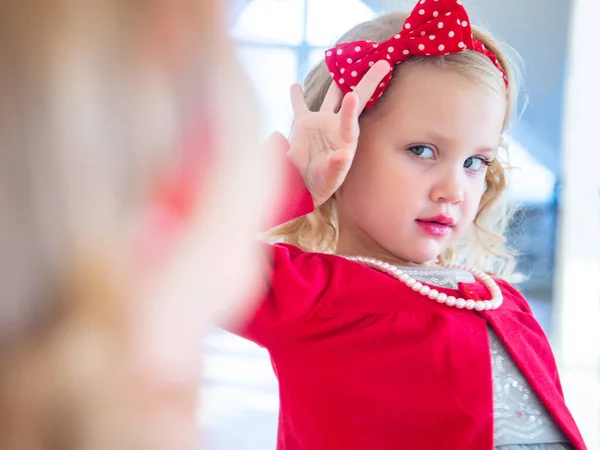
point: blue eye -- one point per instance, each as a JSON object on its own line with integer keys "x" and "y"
{"x": 422, "y": 151}
{"x": 476, "y": 164}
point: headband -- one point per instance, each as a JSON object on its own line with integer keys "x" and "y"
{"x": 433, "y": 28}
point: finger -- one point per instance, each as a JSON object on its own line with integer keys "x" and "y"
{"x": 349, "y": 113}
{"x": 333, "y": 98}
{"x": 298, "y": 103}
{"x": 369, "y": 83}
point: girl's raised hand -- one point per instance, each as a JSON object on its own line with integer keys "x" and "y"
{"x": 323, "y": 143}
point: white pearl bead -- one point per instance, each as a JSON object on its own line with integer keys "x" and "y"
{"x": 417, "y": 286}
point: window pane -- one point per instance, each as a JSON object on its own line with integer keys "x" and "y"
{"x": 531, "y": 182}
{"x": 271, "y": 21}
{"x": 272, "y": 72}
{"x": 329, "y": 19}
{"x": 314, "y": 58}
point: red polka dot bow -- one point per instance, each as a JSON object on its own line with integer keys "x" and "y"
{"x": 433, "y": 28}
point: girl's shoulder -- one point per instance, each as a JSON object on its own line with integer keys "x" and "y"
{"x": 294, "y": 252}
{"x": 512, "y": 296}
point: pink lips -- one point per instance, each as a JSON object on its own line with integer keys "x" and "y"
{"x": 438, "y": 226}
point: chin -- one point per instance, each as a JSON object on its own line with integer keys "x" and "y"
{"x": 422, "y": 255}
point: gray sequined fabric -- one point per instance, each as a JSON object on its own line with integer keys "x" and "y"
{"x": 446, "y": 278}
{"x": 521, "y": 422}
{"x": 519, "y": 416}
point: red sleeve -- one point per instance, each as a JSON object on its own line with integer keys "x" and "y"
{"x": 294, "y": 280}
{"x": 295, "y": 200}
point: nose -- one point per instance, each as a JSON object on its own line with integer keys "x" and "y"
{"x": 449, "y": 188}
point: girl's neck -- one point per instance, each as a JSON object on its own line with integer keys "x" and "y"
{"x": 356, "y": 247}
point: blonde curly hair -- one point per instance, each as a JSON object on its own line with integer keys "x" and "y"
{"x": 484, "y": 245}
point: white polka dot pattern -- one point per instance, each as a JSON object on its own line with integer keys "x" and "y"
{"x": 434, "y": 28}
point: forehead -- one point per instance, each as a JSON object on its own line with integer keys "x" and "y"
{"x": 423, "y": 98}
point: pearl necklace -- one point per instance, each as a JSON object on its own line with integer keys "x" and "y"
{"x": 433, "y": 294}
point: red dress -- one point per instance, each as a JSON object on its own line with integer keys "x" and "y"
{"x": 364, "y": 362}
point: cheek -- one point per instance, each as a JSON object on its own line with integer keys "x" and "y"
{"x": 381, "y": 167}
{"x": 385, "y": 181}
{"x": 473, "y": 198}
{"x": 364, "y": 192}
{"x": 362, "y": 178}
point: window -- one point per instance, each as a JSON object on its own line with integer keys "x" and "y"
{"x": 281, "y": 40}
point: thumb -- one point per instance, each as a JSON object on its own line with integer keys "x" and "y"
{"x": 339, "y": 165}
{"x": 340, "y": 162}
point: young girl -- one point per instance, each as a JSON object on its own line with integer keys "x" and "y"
{"x": 377, "y": 340}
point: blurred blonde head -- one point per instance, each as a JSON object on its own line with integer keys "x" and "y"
{"x": 484, "y": 246}
{"x": 96, "y": 102}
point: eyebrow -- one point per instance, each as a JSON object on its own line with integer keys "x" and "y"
{"x": 435, "y": 136}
